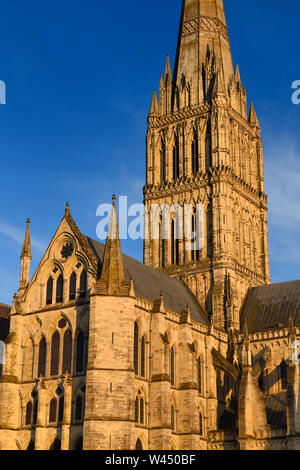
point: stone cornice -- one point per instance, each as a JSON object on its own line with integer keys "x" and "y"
{"x": 202, "y": 180}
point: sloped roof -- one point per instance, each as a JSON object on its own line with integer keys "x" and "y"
{"x": 149, "y": 283}
{"x": 4, "y": 311}
{"x": 268, "y": 307}
{"x": 4, "y": 321}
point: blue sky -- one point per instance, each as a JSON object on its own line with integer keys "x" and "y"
{"x": 80, "y": 76}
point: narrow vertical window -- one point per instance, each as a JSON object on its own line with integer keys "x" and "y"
{"x": 172, "y": 242}
{"x": 176, "y": 159}
{"x": 136, "y": 348}
{"x": 199, "y": 367}
{"x": 49, "y": 291}
{"x": 59, "y": 289}
{"x": 55, "y": 345}
{"x": 83, "y": 284}
{"x": 172, "y": 418}
{"x": 195, "y": 159}
{"x": 67, "y": 352}
{"x": 80, "y": 352}
{"x": 53, "y": 410}
{"x": 61, "y": 407}
{"x": 35, "y": 410}
{"x": 283, "y": 375}
{"x": 28, "y": 418}
{"x": 72, "y": 287}
{"x": 172, "y": 366}
{"x": 42, "y": 358}
{"x": 136, "y": 407}
{"x": 201, "y": 424}
{"x": 163, "y": 162}
{"x": 78, "y": 408}
{"x": 143, "y": 357}
{"x": 142, "y": 411}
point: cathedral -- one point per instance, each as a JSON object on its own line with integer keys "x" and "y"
{"x": 194, "y": 349}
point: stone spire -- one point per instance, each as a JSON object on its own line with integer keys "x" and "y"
{"x": 112, "y": 276}
{"x": 25, "y": 260}
{"x": 203, "y": 39}
{"x": 252, "y": 118}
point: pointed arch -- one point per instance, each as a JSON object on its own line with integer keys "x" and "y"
{"x": 61, "y": 407}
{"x": 136, "y": 348}
{"x": 143, "y": 357}
{"x": 53, "y": 410}
{"x": 42, "y": 358}
{"x": 67, "y": 352}
{"x": 139, "y": 445}
{"x": 172, "y": 366}
{"x": 163, "y": 162}
{"x": 200, "y": 374}
{"x": 80, "y": 352}
{"x": 28, "y": 417}
{"x": 59, "y": 289}
{"x": 78, "y": 408}
{"x": 195, "y": 153}
{"x": 55, "y": 353}
{"x": 49, "y": 291}
{"x": 83, "y": 284}
{"x": 176, "y": 167}
{"x": 72, "y": 286}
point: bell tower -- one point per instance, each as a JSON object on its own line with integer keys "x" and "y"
{"x": 204, "y": 149}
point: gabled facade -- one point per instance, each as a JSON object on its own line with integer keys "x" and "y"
{"x": 190, "y": 350}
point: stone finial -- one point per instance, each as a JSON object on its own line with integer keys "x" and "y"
{"x": 67, "y": 211}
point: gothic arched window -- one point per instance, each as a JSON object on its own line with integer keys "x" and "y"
{"x": 142, "y": 411}
{"x": 143, "y": 357}
{"x": 172, "y": 366}
{"x": 78, "y": 408}
{"x": 53, "y": 411}
{"x": 199, "y": 374}
{"x": 80, "y": 352}
{"x": 139, "y": 445}
{"x": 163, "y": 162}
{"x": 28, "y": 418}
{"x": 176, "y": 159}
{"x": 140, "y": 408}
{"x": 55, "y": 353}
{"x": 67, "y": 352}
{"x": 42, "y": 358}
{"x": 195, "y": 241}
{"x": 195, "y": 160}
{"x": 136, "y": 348}
{"x": 83, "y": 284}
{"x": 72, "y": 287}
{"x": 136, "y": 408}
{"x": 61, "y": 407}
{"x": 49, "y": 291}
{"x": 35, "y": 409}
{"x": 59, "y": 289}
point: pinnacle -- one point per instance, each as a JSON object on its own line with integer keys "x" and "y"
{"x": 26, "y": 251}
